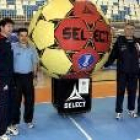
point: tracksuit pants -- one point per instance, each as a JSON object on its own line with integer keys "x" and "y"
{"x": 139, "y": 95}
{"x": 7, "y": 91}
{"x": 25, "y": 88}
{"x": 129, "y": 82}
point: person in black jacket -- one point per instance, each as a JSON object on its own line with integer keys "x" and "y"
{"x": 6, "y": 76}
{"x": 138, "y": 48}
{"x": 125, "y": 51}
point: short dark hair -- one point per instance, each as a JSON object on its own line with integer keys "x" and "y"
{"x": 22, "y": 30}
{"x": 5, "y": 21}
{"x": 130, "y": 23}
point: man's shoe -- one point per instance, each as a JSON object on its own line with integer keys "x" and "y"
{"x": 4, "y": 137}
{"x": 30, "y": 125}
{"x": 119, "y": 116}
{"x": 12, "y": 130}
{"x": 132, "y": 114}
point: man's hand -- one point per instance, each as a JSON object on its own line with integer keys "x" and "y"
{"x": 35, "y": 81}
{"x": 138, "y": 46}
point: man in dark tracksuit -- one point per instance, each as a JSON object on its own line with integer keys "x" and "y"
{"x": 126, "y": 53}
{"x": 6, "y": 76}
{"x": 138, "y": 47}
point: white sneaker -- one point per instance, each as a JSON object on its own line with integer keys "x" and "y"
{"x": 132, "y": 114}
{"x": 119, "y": 116}
{"x": 12, "y": 130}
{"x": 4, "y": 137}
{"x": 30, "y": 125}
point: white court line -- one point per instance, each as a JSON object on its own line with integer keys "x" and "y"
{"x": 43, "y": 103}
{"x": 88, "y": 137}
{"x": 103, "y": 97}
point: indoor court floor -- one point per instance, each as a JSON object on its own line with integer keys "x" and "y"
{"x": 99, "y": 124}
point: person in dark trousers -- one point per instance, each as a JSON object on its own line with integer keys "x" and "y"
{"x": 138, "y": 48}
{"x": 25, "y": 69}
{"x": 126, "y": 54}
{"x": 6, "y": 77}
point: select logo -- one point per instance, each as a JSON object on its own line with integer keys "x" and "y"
{"x": 75, "y": 100}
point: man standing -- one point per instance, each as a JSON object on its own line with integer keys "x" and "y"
{"x": 138, "y": 48}
{"x": 125, "y": 51}
{"x": 25, "y": 69}
{"x": 6, "y": 76}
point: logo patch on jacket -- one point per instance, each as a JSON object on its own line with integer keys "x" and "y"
{"x": 123, "y": 48}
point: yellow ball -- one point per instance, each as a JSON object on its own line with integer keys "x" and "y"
{"x": 73, "y": 38}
